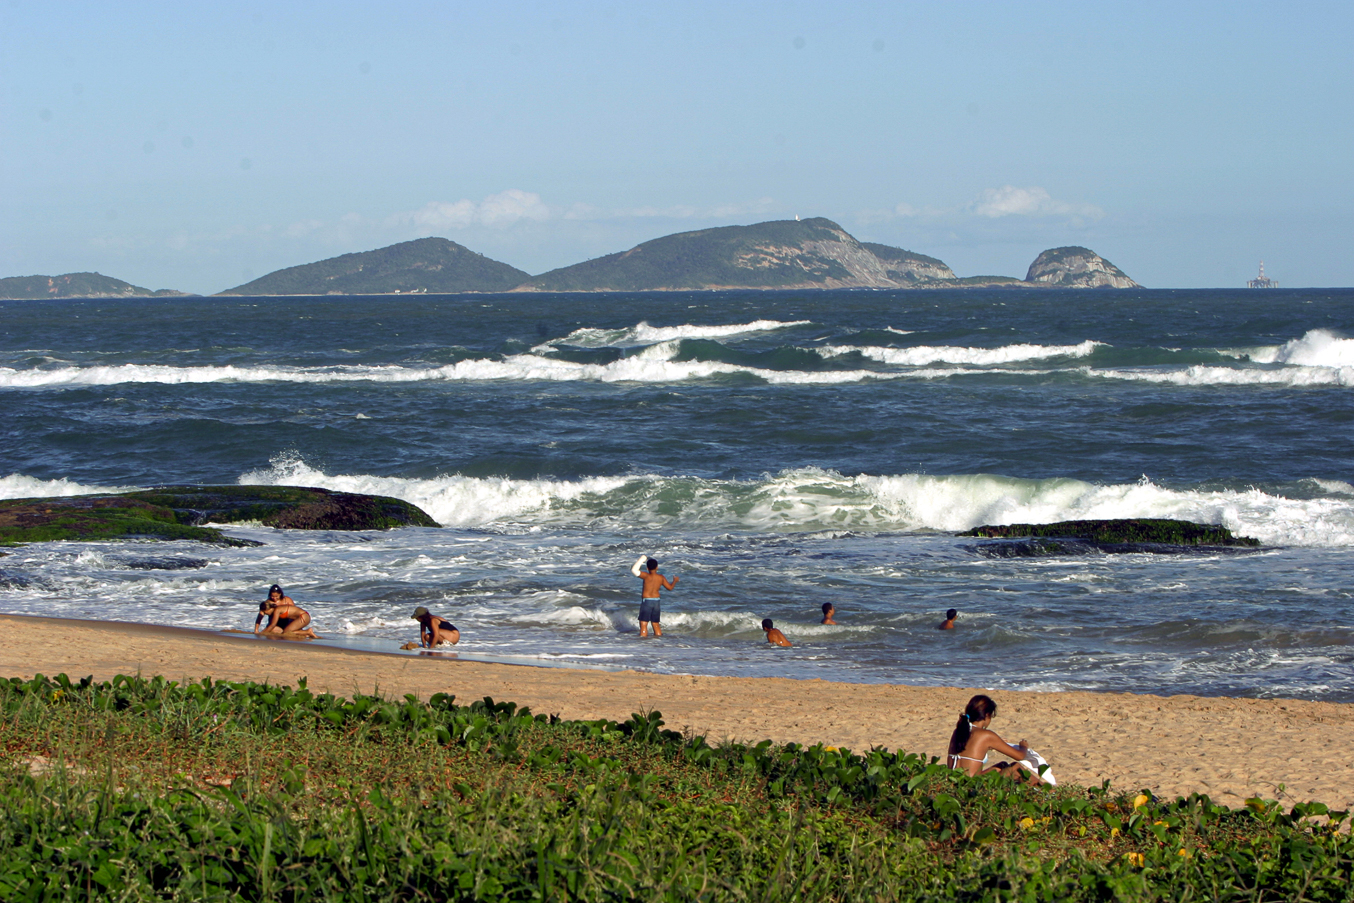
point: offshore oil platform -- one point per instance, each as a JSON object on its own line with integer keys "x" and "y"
{"x": 1262, "y": 281}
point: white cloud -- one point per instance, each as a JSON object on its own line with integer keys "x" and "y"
{"x": 498, "y": 211}
{"x": 1011, "y": 201}
{"x": 507, "y": 207}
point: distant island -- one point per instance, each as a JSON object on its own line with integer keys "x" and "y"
{"x": 75, "y": 285}
{"x": 782, "y": 254}
{"x": 427, "y": 265}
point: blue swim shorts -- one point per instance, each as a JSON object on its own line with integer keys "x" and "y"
{"x": 648, "y": 610}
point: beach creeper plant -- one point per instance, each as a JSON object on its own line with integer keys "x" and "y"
{"x": 137, "y": 789}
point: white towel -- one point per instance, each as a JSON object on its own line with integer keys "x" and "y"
{"x": 1033, "y": 761}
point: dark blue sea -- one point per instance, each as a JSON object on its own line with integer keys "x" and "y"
{"x": 774, "y": 450}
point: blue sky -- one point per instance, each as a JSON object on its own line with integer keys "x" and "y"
{"x": 197, "y": 146}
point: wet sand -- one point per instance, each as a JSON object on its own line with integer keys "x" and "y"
{"x": 1230, "y": 749}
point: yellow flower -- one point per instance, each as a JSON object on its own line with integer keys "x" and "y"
{"x": 1160, "y": 823}
{"x": 1134, "y": 859}
{"x": 1184, "y": 852}
{"x": 1114, "y": 832}
{"x": 1140, "y": 800}
{"x": 1027, "y": 823}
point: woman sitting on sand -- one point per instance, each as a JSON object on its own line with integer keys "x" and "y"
{"x": 286, "y": 619}
{"x": 971, "y": 742}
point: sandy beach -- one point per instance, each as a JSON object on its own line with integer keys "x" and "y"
{"x": 1230, "y": 749}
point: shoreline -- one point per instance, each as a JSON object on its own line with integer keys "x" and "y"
{"x": 1228, "y": 748}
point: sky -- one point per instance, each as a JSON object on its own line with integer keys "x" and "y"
{"x": 197, "y": 146}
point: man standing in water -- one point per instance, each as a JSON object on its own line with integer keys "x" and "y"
{"x": 648, "y": 602}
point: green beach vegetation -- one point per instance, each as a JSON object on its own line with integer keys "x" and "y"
{"x": 149, "y": 790}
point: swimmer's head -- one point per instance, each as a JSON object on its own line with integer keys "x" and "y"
{"x": 652, "y": 564}
{"x": 419, "y": 612}
{"x": 951, "y": 614}
{"x": 766, "y": 624}
{"x": 274, "y": 589}
{"x": 827, "y": 608}
{"x": 266, "y": 606}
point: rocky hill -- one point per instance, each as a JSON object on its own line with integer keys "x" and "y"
{"x": 781, "y": 254}
{"x": 73, "y": 285}
{"x": 426, "y": 265}
{"x": 906, "y": 266}
{"x": 784, "y": 254}
{"x": 1075, "y": 267}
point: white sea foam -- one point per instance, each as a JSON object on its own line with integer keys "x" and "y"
{"x": 1201, "y": 375}
{"x": 18, "y": 486}
{"x": 978, "y": 357}
{"x": 810, "y": 500}
{"x": 813, "y": 500}
{"x": 364, "y": 625}
{"x": 651, "y": 365}
{"x": 644, "y": 334}
{"x": 1316, "y": 348}
{"x": 1333, "y": 487}
{"x": 453, "y": 501}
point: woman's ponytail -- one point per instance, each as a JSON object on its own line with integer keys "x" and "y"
{"x": 979, "y": 708}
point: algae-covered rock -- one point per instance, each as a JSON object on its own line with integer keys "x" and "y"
{"x": 290, "y": 507}
{"x": 1082, "y": 537}
{"x": 178, "y": 512}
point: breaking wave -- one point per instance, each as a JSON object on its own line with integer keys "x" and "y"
{"x": 644, "y": 334}
{"x": 18, "y": 486}
{"x": 667, "y": 355}
{"x": 812, "y": 499}
{"x": 979, "y": 357}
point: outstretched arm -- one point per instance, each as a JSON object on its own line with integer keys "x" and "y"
{"x": 1015, "y": 752}
{"x": 670, "y": 584}
{"x": 639, "y": 563}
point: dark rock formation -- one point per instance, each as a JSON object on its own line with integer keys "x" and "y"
{"x": 1085, "y": 537}
{"x": 168, "y": 563}
{"x": 177, "y": 512}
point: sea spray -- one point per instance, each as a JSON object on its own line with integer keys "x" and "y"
{"x": 815, "y": 499}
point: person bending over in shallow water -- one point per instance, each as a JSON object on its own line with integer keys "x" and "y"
{"x": 774, "y": 636}
{"x": 433, "y": 630}
{"x": 972, "y": 740}
{"x": 948, "y": 623}
{"x": 285, "y": 618}
{"x": 828, "y": 612}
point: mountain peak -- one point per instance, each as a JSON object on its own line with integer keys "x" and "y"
{"x": 436, "y": 265}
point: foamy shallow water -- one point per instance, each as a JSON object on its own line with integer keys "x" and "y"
{"x": 774, "y": 450}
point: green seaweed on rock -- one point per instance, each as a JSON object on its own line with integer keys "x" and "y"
{"x": 180, "y": 512}
{"x": 1160, "y": 531}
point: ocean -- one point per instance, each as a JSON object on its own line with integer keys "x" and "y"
{"x": 775, "y": 450}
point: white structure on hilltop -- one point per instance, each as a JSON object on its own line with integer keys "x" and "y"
{"x": 1262, "y": 281}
